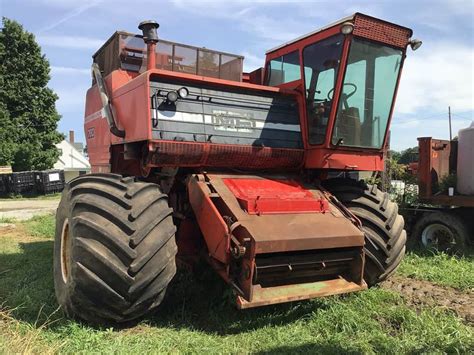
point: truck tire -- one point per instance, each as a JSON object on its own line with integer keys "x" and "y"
{"x": 114, "y": 249}
{"x": 442, "y": 231}
{"x": 385, "y": 237}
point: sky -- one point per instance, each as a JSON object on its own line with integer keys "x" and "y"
{"x": 438, "y": 75}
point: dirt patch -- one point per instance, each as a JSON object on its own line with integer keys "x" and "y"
{"x": 5, "y": 227}
{"x": 18, "y": 234}
{"x": 425, "y": 293}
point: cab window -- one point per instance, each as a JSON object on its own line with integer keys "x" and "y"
{"x": 283, "y": 69}
{"x": 367, "y": 95}
{"x": 321, "y": 66}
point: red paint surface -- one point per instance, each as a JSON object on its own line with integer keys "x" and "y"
{"x": 129, "y": 94}
{"x": 337, "y": 159}
{"x": 264, "y": 196}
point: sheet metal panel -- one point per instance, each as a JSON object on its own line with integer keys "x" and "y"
{"x": 225, "y": 117}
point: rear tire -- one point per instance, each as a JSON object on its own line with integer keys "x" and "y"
{"x": 385, "y": 237}
{"x": 114, "y": 252}
{"x": 442, "y": 231}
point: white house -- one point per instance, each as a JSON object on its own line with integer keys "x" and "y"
{"x": 72, "y": 159}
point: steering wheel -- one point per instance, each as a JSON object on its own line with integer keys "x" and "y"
{"x": 344, "y": 96}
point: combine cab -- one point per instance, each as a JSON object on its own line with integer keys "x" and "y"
{"x": 194, "y": 159}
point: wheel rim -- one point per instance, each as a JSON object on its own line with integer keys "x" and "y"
{"x": 65, "y": 251}
{"x": 438, "y": 236}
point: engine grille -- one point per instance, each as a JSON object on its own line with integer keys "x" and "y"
{"x": 166, "y": 153}
{"x": 309, "y": 266}
{"x": 382, "y": 31}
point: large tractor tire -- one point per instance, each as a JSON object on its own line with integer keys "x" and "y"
{"x": 385, "y": 237}
{"x": 442, "y": 231}
{"x": 114, "y": 250}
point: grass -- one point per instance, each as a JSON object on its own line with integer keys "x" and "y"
{"x": 40, "y": 226}
{"x": 440, "y": 268}
{"x": 7, "y": 220}
{"x": 196, "y": 318}
{"x": 54, "y": 196}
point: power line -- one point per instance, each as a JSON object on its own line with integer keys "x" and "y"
{"x": 425, "y": 118}
{"x": 465, "y": 112}
{"x": 461, "y": 117}
{"x": 394, "y": 122}
{"x": 435, "y": 115}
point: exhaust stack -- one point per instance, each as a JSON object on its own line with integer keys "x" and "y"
{"x": 150, "y": 36}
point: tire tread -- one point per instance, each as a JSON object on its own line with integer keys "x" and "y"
{"x": 123, "y": 247}
{"x": 383, "y": 226}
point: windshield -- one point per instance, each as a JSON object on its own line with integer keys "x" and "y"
{"x": 321, "y": 65}
{"x": 367, "y": 95}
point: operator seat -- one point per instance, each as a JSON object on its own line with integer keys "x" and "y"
{"x": 348, "y": 126}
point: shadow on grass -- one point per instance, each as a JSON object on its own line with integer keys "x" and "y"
{"x": 198, "y": 302}
{"x": 208, "y": 305}
{"x": 306, "y": 349}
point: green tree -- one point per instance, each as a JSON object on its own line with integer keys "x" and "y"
{"x": 28, "y": 116}
{"x": 393, "y": 154}
{"x": 396, "y": 171}
{"x": 7, "y": 141}
{"x": 408, "y": 156}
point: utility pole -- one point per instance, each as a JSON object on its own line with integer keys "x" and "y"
{"x": 450, "y": 129}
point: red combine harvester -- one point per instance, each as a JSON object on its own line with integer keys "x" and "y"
{"x": 192, "y": 159}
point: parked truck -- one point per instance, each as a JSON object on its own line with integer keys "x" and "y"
{"x": 444, "y": 217}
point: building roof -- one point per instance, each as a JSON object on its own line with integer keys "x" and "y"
{"x": 70, "y": 158}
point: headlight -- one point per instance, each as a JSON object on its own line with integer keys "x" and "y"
{"x": 171, "y": 96}
{"x": 415, "y": 44}
{"x": 347, "y": 28}
{"x": 183, "y": 92}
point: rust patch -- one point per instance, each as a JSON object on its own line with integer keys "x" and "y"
{"x": 298, "y": 292}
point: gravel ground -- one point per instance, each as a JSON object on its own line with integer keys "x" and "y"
{"x": 26, "y": 209}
